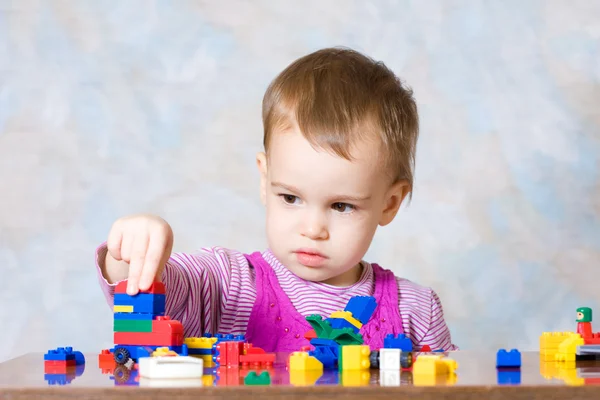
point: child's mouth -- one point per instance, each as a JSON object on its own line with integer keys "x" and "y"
{"x": 310, "y": 258}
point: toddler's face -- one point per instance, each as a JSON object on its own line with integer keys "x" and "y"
{"x": 322, "y": 210}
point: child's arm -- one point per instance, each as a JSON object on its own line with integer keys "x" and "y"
{"x": 438, "y": 335}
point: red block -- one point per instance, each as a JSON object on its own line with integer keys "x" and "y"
{"x": 59, "y": 367}
{"x": 257, "y": 359}
{"x": 106, "y": 360}
{"x": 310, "y": 335}
{"x": 164, "y": 324}
{"x": 148, "y": 338}
{"x": 228, "y": 376}
{"x": 155, "y": 288}
{"x": 426, "y": 349}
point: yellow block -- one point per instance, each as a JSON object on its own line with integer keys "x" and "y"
{"x": 305, "y": 378}
{"x": 568, "y": 348}
{"x": 301, "y": 361}
{"x": 435, "y": 364}
{"x": 200, "y": 342}
{"x": 128, "y": 309}
{"x": 355, "y": 357}
{"x": 347, "y": 315}
{"x": 355, "y": 377}
{"x": 208, "y": 379}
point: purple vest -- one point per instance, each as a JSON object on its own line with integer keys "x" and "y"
{"x": 276, "y": 326}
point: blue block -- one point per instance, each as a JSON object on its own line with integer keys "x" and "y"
{"x": 509, "y": 376}
{"x": 340, "y": 323}
{"x": 60, "y": 354}
{"x": 59, "y": 379}
{"x": 328, "y": 355}
{"x": 135, "y": 316}
{"x": 200, "y": 352}
{"x": 508, "y": 359}
{"x": 142, "y": 302}
{"x": 79, "y": 358}
{"x": 361, "y": 307}
{"x": 324, "y": 342}
{"x": 399, "y": 342}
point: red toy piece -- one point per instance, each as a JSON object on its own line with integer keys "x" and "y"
{"x": 256, "y": 356}
{"x": 426, "y": 349}
{"x": 148, "y": 339}
{"x": 155, "y": 288}
{"x": 310, "y": 335}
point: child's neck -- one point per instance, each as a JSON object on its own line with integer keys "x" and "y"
{"x": 348, "y": 278}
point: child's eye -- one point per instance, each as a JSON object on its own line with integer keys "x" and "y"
{"x": 343, "y": 207}
{"x": 289, "y": 198}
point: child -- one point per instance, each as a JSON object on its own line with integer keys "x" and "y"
{"x": 340, "y": 132}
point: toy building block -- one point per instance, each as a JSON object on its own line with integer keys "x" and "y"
{"x": 122, "y": 309}
{"x": 164, "y": 352}
{"x": 252, "y": 379}
{"x": 506, "y": 359}
{"x": 549, "y": 342}
{"x": 568, "y": 348}
{"x": 425, "y": 349}
{"x": 200, "y": 346}
{"x": 155, "y": 288}
{"x": 355, "y": 377}
{"x": 307, "y": 377}
{"x": 60, "y": 354}
{"x": 300, "y": 361}
{"x": 389, "y": 359}
{"x": 435, "y": 364}
{"x": 361, "y": 307}
{"x": 400, "y": 341}
{"x": 346, "y": 315}
{"x": 228, "y": 353}
{"x": 257, "y": 356}
{"x": 327, "y": 355}
{"x": 354, "y": 357}
{"x": 320, "y": 326}
{"x": 148, "y": 339}
{"x": 131, "y": 316}
{"x": 170, "y": 367}
{"x": 341, "y": 323}
{"x": 310, "y": 335}
{"x": 124, "y": 325}
{"x": 374, "y": 359}
{"x": 509, "y": 376}
{"x": 141, "y": 303}
{"x": 346, "y": 336}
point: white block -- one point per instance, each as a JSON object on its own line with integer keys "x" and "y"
{"x": 389, "y": 377}
{"x": 389, "y": 359}
{"x": 170, "y": 383}
{"x": 170, "y": 367}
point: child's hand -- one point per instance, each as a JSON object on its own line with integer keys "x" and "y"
{"x": 142, "y": 242}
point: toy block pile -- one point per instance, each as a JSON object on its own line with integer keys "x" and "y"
{"x": 62, "y": 365}
{"x": 141, "y": 326}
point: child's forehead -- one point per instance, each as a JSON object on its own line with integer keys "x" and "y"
{"x": 292, "y": 157}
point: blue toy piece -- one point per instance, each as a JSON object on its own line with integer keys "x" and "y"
{"x": 79, "y": 358}
{"x": 340, "y": 323}
{"x": 199, "y": 352}
{"x": 399, "y": 342}
{"x": 328, "y": 355}
{"x": 134, "y": 316}
{"x": 509, "y": 376}
{"x": 142, "y": 302}
{"x": 124, "y": 353}
{"x": 361, "y": 307}
{"x": 316, "y": 342}
{"x": 509, "y": 359}
{"x": 60, "y": 354}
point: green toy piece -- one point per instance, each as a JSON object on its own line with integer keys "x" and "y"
{"x": 346, "y": 336}
{"x": 321, "y": 327}
{"x": 584, "y": 314}
{"x": 252, "y": 379}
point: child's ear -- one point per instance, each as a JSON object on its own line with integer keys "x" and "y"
{"x": 393, "y": 200}
{"x": 261, "y": 163}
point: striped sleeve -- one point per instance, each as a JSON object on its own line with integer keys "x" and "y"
{"x": 438, "y": 335}
{"x": 198, "y": 286}
{"x": 423, "y": 316}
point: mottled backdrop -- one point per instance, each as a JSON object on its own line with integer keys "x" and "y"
{"x": 113, "y": 107}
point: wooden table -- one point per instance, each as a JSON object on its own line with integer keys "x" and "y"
{"x": 476, "y": 378}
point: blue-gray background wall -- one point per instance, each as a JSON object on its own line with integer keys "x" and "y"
{"x": 115, "y": 107}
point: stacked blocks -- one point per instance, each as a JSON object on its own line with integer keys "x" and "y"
{"x": 141, "y": 326}
{"x": 397, "y": 342}
{"x": 62, "y": 365}
{"x": 339, "y": 331}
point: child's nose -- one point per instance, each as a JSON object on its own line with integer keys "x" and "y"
{"x": 314, "y": 226}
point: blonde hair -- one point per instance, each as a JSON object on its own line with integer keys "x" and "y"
{"x": 338, "y": 96}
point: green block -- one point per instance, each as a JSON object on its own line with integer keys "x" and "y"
{"x": 346, "y": 336}
{"x": 126, "y": 325}
{"x": 321, "y": 327}
{"x": 252, "y": 379}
